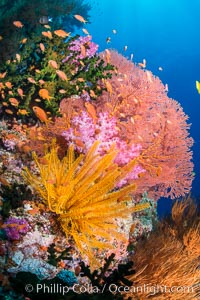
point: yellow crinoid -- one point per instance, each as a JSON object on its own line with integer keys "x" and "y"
{"x": 82, "y": 192}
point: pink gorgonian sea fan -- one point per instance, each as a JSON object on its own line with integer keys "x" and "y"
{"x": 147, "y": 116}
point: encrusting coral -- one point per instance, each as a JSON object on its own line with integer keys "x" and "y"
{"x": 82, "y": 193}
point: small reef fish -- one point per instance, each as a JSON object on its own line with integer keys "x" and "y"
{"x": 3, "y": 181}
{"x": 40, "y": 114}
{"x": 166, "y": 87}
{"x": 125, "y": 48}
{"x": 85, "y": 31}
{"x": 2, "y": 75}
{"x": 1, "y": 38}
{"x": 80, "y": 79}
{"x": 114, "y": 31}
{"x": 8, "y": 84}
{"x": 41, "y": 81}
{"x": 14, "y": 101}
{"x": 47, "y": 26}
{"x": 23, "y": 41}
{"x": 91, "y": 111}
{"x": 108, "y": 40}
{"x": 80, "y": 18}
{"x": 107, "y": 56}
{"x": 14, "y": 225}
{"x": 198, "y": 86}
{"x": 31, "y": 80}
{"x": 42, "y": 47}
{"x": 47, "y": 34}
{"x": 62, "y": 33}
{"x": 44, "y": 20}
{"x": 143, "y": 64}
{"x": 22, "y": 112}
{"x": 62, "y": 75}
{"x": 79, "y": 143}
{"x": 53, "y": 64}
{"x": 131, "y": 56}
{"x": 18, "y": 57}
{"x": 62, "y": 91}
{"x": 92, "y": 94}
{"x": 83, "y": 50}
{"x": 44, "y": 94}
{"x": 18, "y": 24}
{"x": 108, "y": 86}
{"x": 9, "y": 111}
{"x": 160, "y": 69}
{"x": 158, "y": 170}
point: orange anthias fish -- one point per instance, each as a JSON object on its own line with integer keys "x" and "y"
{"x": 107, "y": 56}
{"x": 42, "y": 47}
{"x": 62, "y": 33}
{"x": 31, "y": 80}
{"x": 14, "y": 101}
{"x": 40, "y": 114}
{"x": 108, "y": 87}
{"x": 83, "y": 50}
{"x": 18, "y": 57}
{"x": 44, "y": 94}
{"x": 91, "y": 111}
{"x": 8, "y": 84}
{"x": 24, "y": 40}
{"x": 143, "y": 64}
{"x": 80, "y": 18}
{"x": 53, "y": 64}
{"x": 62, "y": 75}
{"x": 47, "y": 34}
{"x": 62, "y": 91}
{"x": 2, "y": 75}
{"x": 18, "y": 24}
{"x": 22, "y": 112}
{"x": 85, "y": 31}
{"x": 20, "y": 92}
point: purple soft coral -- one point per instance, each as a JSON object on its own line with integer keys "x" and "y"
{"x": 14, "y": 227}
{"x": 80, "y": 44}
{"x": 84, "y": 131}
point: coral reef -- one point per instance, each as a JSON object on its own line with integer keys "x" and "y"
{"x": 78, "y": 189}
{"x": 106, "y": 143}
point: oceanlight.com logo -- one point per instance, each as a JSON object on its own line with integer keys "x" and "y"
{"x": 149, "y": 289}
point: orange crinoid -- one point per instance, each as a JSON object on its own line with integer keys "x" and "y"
{"x": 81, "y": 191}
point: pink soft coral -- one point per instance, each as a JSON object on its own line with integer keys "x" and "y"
{"x": 84, "y": 131}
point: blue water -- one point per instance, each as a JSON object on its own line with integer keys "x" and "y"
{"x": 165, "y": 33}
